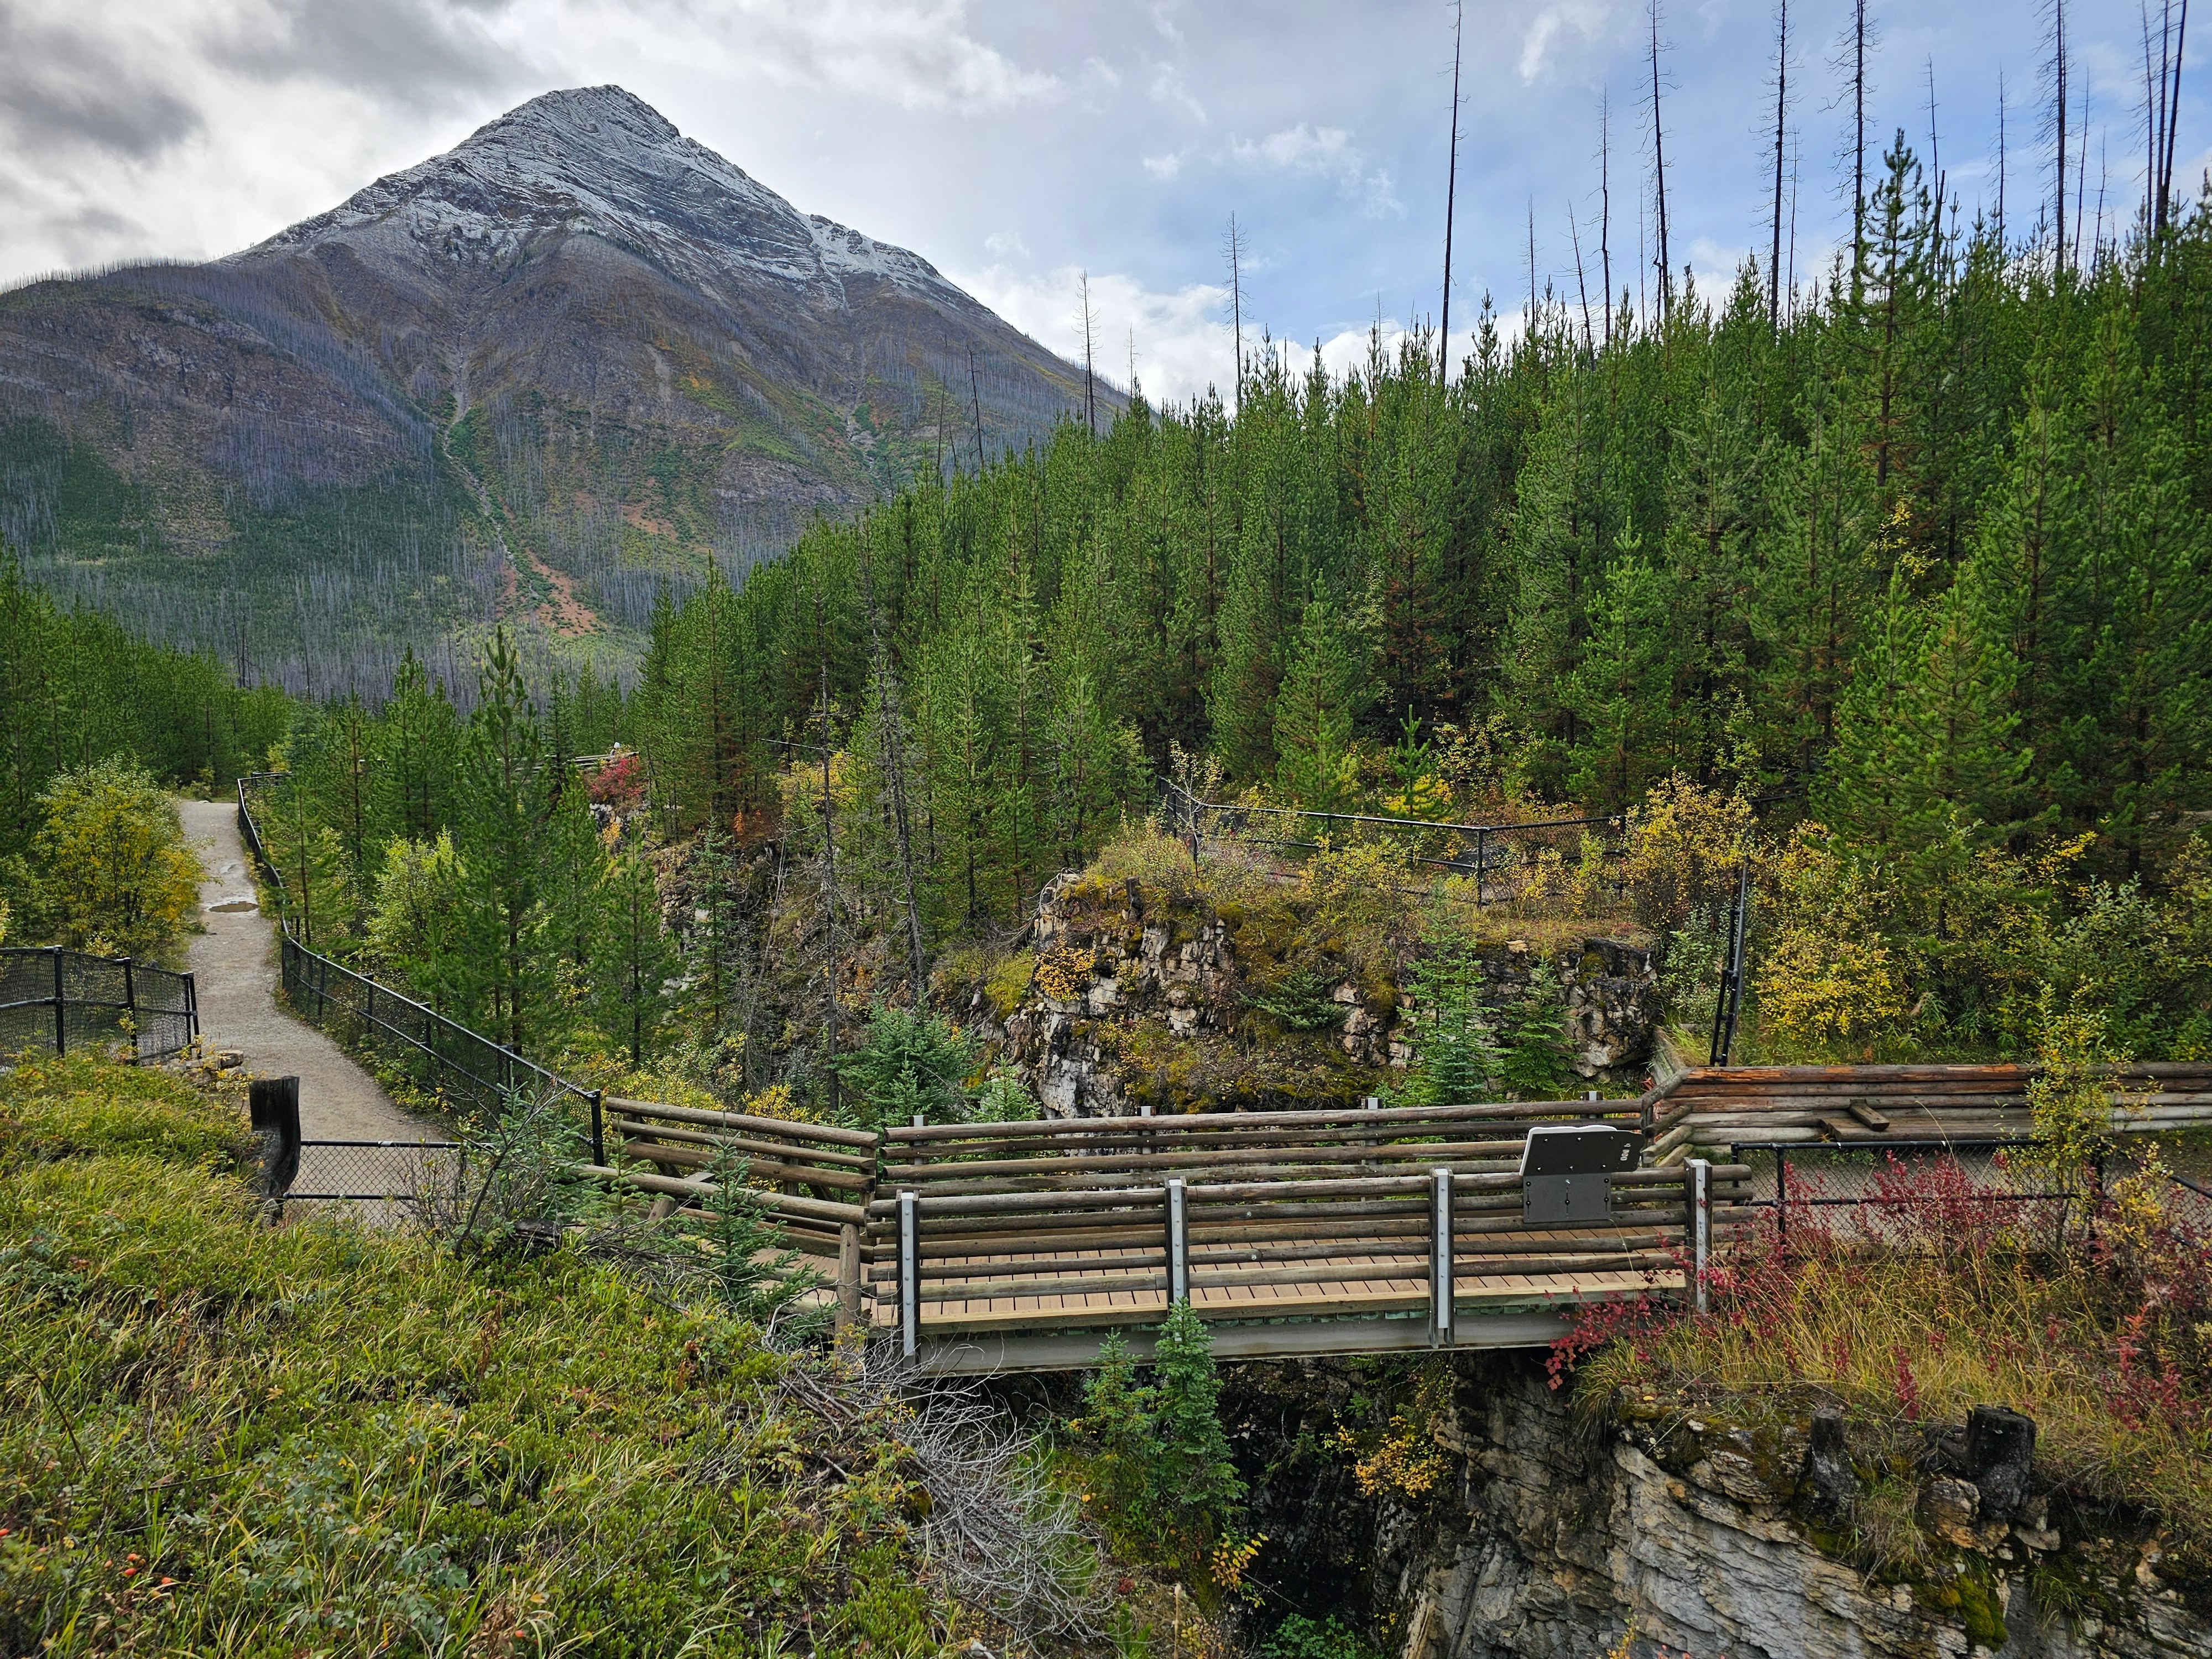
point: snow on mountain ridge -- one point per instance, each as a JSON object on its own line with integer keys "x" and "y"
{"x": 600, "y": 161}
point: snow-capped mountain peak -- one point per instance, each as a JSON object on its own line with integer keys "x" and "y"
{"x": 599, "y": 161}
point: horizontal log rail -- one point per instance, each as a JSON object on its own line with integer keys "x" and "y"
{"x": 992, "y": 1231}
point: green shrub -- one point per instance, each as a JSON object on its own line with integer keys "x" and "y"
{"x": 1458, "y": 1056}
{"x": 1300, "y": 1637}
{"x": 114, "y": 874}
{"x": 1163, "y": 1468}
{"x": 759, "y": 1277}
{"x": 909, "y": 1064}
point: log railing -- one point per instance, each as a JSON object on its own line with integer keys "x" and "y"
{"x": 1277, "y": 1217}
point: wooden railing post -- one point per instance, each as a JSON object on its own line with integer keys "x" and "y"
{"x": 848, "y": 1276}
{"x": 1441, "y": 1285}
{"x": 909, "y": 1275}
{"x": 1699, "y": 1185}
{"x": 1178, "y": 1243}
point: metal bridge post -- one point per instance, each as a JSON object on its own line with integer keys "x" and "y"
{"x": 1701, "y": 1226}
{"x": 1178, "y": 1243}
{"x": 1782, "y": 1199}
{"x": 1441, "y": 1285}
{"x": 909, "y": 1275}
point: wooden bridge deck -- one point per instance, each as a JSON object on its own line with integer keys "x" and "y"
{"x": 1375, "y": 1281}
{"x": 1025, "y": 1245}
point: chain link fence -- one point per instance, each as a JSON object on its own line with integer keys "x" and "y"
{"x": 1900, "y": 1193}
{"x": 1498, "y": 859}
{"x": 60, "y": 1000}
{"x": 395, "y": 1170}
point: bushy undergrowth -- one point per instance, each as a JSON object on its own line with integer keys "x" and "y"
{"x": 228, "y": 1439}
{"x": 2101, "y": 1331}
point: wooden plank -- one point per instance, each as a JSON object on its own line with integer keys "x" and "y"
{"x": 830, "y": 1134}
{"x": 640, "y": 1128}
{"x": 788, "y": 1203}
{"x": 1362, "y": 1117}
{"x": 1288, "y": 1158}
{"x": 690, "y": 1157}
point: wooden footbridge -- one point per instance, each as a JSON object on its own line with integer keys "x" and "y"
{"x": 1022, "y": 1246}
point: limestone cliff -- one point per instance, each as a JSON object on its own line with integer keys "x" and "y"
{"x": 1542, "y": 1534}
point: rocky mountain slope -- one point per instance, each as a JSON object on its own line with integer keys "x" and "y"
{"x": 540, "y": 374}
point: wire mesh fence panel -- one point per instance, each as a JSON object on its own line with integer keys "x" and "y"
{"x": 57, "y": 1000}
{"x": 1498, "y": 862}
{"x": 2190, "y": 1197}
{"x": 1906, "y": 1194}
{"x": 439, "y": 1056}
{"x": 364, "y": 1170}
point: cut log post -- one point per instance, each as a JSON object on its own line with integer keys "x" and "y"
{"x": 273, "y": 1109}
{"x": 848, "y": 1276}
{"x": 1831, "y": 1484}
{"x": 2000, "y": 1453}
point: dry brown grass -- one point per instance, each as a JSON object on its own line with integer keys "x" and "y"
{"x": 2105, "y": 1341}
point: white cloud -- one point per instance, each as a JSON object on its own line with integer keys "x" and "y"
{"x": 1587, "y": 18}
{"x": 1182, "y": 345}
{"x": 1325, "y": 153}
{"x": 1166, "y": 166}
{"x": 1005, "y": 244}
{"x": 1164, "y": 19}
{"x": 915, "y": 54}
{"x": 1302, "y": 149}
{"x": 1169, "y": 87}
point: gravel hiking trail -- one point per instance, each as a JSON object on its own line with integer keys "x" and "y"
{"x": 233, "y": 968}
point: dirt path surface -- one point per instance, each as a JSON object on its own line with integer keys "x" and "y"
{"x": 233, "y": 967}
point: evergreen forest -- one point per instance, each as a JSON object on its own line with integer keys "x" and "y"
{"x": 1902, "y": 589}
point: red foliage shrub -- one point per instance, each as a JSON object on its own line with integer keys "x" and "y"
{"x": 619, "y": 784}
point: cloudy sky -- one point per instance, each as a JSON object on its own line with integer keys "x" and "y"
{"x": 1016, "y": 143}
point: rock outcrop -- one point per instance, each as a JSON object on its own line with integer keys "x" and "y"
{"x": 1546, "y": 1536}
{"x": 1127, "y": 1004}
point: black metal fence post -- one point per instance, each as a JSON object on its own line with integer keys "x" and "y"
{"x": 1782, "y": 1199}
{"x": 61, "y": 1007}
{"x": 598, "y": 1129}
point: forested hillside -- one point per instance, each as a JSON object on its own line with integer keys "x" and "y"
{"x": 1898, "y": 599}
{"x": 539, "y": 379}
{"x": 76, "y": 687}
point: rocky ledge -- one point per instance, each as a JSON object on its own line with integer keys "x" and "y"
{"x": 1127, "y": 1004}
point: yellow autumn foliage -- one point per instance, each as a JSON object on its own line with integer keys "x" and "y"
{"x": 114, "y": 870}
